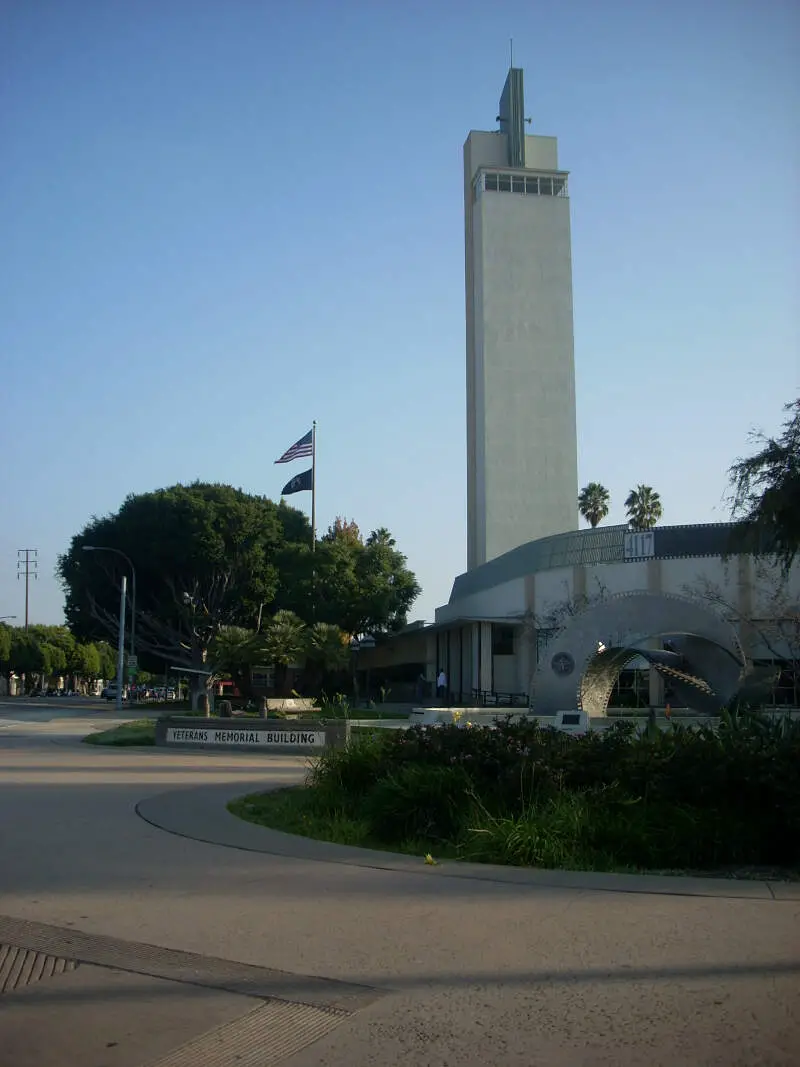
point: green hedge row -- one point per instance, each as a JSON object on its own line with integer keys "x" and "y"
{"x": 691, "y": 798}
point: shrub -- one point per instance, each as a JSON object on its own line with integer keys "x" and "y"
{"x": 552, "y": 834}
{"x": 519, "y": 793}
{"x": 418, "y": 803}
{"x": 343, "y": 777}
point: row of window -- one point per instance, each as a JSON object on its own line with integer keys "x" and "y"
{"x": 528, "y": 185}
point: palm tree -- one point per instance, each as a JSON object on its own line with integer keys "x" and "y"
{"x": 329, "y": 652}
{"x": 285, "y": 643}
{"x": 234, "y": 650}
{"x": 643, "y": 505}
{"x": 381, "y": 536}
{"x": 593, "y": 503}
{"x": 329, "y": 646}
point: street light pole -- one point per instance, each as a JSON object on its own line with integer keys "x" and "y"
{"x": 119, "y": 552}
{"x": 121, "y": 643}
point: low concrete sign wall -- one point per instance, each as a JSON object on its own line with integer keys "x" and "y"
{"x": 263, "y": 735}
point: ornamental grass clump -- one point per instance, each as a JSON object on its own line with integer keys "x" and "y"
{"x": 519, "y": 793}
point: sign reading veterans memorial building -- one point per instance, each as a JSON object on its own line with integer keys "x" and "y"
{"x": 264, "y": 735}
{"x": 245, "y": 738}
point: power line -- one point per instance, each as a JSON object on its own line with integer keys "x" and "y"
{"x": 27, "y": 568}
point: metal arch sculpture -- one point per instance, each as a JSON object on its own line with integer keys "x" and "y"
{"x": 697, "y": 650}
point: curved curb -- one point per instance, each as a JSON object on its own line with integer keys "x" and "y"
{"x": 200, "y": 814}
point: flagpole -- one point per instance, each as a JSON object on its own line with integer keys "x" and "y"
{"x": 314, "y": 485}
{"x": 313, "y": 517}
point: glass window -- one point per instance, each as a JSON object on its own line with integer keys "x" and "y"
{"x": 502, "y": 640}
{"x": 558, "y": 186}
{"x": 546, "y": 186}
{"x": 518, "y": 185}
{"x": 491, "y": 182}
{"x": 504, "y": 183}
{"x": 532, "y": 186}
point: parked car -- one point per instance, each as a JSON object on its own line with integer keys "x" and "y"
{"x": 110, "y": 692}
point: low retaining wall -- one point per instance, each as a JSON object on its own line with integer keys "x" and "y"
{"x": 299, "y": 736}
{"x": 476, "y": 716}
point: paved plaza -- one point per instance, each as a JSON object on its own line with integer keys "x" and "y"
{"x": 143, "y": 925}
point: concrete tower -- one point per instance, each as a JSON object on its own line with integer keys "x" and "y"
{"x": 522, "y": 466}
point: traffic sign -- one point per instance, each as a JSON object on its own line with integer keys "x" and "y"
{"x": 133, "y": 663}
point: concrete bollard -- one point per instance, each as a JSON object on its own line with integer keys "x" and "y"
{"x": 225, "y": 709}
{"x": 203, "y": 706}
{"x": 263, "y": 708}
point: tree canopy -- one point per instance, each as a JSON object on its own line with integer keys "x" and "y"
{"x": 766, "y": 492}
{"x": 205, "y": 555}
{"x": 593, "y": 503}
{"x": 362, "y": 586}
{"x": 210, "y": 558}
{"x": 42, "y": 651}
{"x": 643, "y": 505}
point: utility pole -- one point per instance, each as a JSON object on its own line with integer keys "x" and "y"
{"x": 27, "y": 568}
{"x": 121, "y": 644}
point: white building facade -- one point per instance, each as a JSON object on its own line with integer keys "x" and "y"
{"x": 522, "y": 481}
{"x": 528, "y": 565}
{"x": 500, "y": 616}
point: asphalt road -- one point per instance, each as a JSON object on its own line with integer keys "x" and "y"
{"x": 460, "y": 972}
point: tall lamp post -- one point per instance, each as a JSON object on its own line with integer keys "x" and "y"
{"x": 121, "y": 643}
{"x": 119, "y": 552}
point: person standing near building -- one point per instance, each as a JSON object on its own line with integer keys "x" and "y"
{"x": 441, "y": 685}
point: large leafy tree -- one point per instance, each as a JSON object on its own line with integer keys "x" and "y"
{"x": 643, "y": 505}
{"x": 87, "y": 661}
{"x": 42, "y": 651}
{"x": 28, "y": 656}
{"x": 766, "y": 492}
{"x": 210, "y": 559}
{"x": 6, "y": 633}
{"x": 206, "y": 557}
{"x": 594, "y": 501}
{"x": 362, "y": 586}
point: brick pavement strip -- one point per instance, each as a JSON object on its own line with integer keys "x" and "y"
{"x": 290, "y": 1012}
{"x": 188, "y": 967}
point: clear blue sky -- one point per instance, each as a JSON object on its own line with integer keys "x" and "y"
{"x": 220, "y": 220}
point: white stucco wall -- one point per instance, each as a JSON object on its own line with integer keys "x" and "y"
{"x": 552, "y": 590}
{"x": 678, "y": 576}
{"x": 772, "y": 589}
{"x": 692, "y": 576}
{"x": 616, "y": 578}
{"x": 498, "y": 602}
{"x": 541, "y": 153}
{"x": 521, "y": 431}
{"x": 523, "y": 290}
{"x": 504, "y": 672}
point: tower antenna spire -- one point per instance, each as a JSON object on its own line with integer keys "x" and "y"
{"x": 511, "y": 50}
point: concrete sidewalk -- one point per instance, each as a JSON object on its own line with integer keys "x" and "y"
{"x": 201, "y": 814}
{"x": 446, "y": 968}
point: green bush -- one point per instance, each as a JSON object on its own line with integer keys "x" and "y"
{"x": 342, "y": 777}
{"x": 551, "y": 834}
{"x": 686, "y": 797}
{"x": 426, "y": 803}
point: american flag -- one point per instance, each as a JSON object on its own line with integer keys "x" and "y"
{"x": 303, "y": 447}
